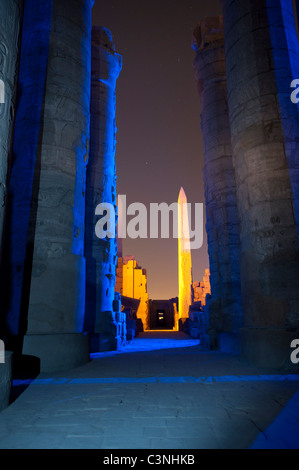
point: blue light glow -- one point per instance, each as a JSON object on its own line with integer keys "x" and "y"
{"x": 159, "y": 380}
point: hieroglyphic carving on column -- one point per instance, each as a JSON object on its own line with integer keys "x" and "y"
{"x": 219, "y": 178}
{"x": 57, "y": 294}
{"x": 22, "y": 193}
{"x": 265, "y": 131}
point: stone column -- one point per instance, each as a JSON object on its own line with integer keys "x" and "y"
{"x": 262, "y": 59}
{"x": 52, "y": 299}
{"x": 225, "y": 306}
{"x": 101, "y": 254}
{"x": 18, "y": 240}
{"x": 11, "y": 12}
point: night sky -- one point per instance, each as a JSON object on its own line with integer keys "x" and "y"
{"x": 159, "y": 141}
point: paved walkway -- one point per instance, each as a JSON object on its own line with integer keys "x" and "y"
{"x": 161, "y": 392}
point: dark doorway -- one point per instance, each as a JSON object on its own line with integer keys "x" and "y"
{"x": 161, "y": 314}
{"x": 160, "y": 318}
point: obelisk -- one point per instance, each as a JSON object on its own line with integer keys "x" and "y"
{"x": 184, "y": 257}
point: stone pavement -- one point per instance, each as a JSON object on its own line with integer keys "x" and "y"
{"x": 177, "y": 397}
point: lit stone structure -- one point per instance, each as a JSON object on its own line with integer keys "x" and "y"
{"x": 184, "y": 258}
{"x": 46, "y": 281}
{"x": 201, "y": 289}
{"x": 225, "y": 306}
{"x": 11, "y": 12}
{"x": 262, "y": 58}
{"x": 134, "y": 285}
{"x": 101, "y": 255}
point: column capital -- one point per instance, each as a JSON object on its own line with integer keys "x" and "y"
{"x": 208, "y": 32}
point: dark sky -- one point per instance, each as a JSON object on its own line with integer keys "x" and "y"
{"x": 159, "y": 141}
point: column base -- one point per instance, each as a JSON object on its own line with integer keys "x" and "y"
{"x": 101, "y": 342}
{"x": 5, "y": 380}
{"x": 268, "y": 347}
{"x": 58, "y": 352}
{"x": 228, "y": 343}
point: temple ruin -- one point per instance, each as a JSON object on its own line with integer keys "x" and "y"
{"x": 131, "y": 282}
{"x": 65, "y": 292}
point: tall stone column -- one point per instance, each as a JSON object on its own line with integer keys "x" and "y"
{"x": 262, "y": 59}
{"x": 50, "y": 170}
{"x": 11, "y": 12}
{"x": 101, "y": 254}
{"x": 225, "y": 306}
{"x": 18, "y": 241}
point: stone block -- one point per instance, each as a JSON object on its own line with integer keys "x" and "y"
{"x": 194, "y": 331}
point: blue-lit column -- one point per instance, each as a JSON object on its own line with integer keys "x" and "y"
{"x": 262, "y": 57}
{"x": 22, "y": 194}
{"x": 101, "y": 255}
{"x": 225, "y": 306}
{"x": 11, "y": 12}
{"x": 56, "y": 292}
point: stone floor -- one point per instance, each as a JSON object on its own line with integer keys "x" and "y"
{"x": 161, "y": 392}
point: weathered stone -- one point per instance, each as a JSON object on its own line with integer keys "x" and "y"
{"x": 134, "y": 286}
{"x": 11, "y": 12}
{"x": 46, "y": 246}
{"x": 264, "y": 128}
{"x": 101, "y": 188}
{"x": 22, "y": 196}
{"x": 219, "y": 178}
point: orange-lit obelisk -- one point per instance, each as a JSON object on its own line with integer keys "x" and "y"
{"x": 184, "y": 256}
